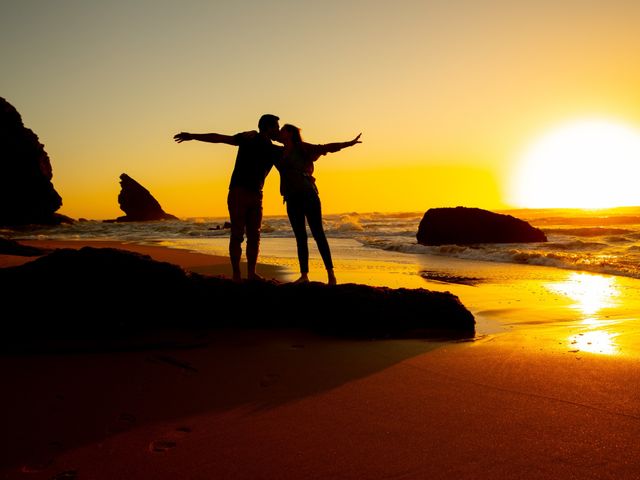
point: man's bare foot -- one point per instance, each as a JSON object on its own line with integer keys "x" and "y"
{"x": 254, "y": 277}
{"x": 304, "y": 278}
{"x": 332, "y": 278}
{"x": 237, "y": 278}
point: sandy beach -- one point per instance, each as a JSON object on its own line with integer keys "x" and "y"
{"x": 524, "y": 399}
{"x": 442, "y": 199}
{"x": 191, "y": 261}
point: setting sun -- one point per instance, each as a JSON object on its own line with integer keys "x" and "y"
{"x": 584, "y": 164}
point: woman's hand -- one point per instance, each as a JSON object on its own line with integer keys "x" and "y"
{"x": 355, "y": 140}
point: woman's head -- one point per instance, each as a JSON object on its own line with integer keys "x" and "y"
{"x": 290, "y": 134}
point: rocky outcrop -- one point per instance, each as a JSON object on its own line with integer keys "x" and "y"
{"x": 138, "y": 204}
{"x": 27, "y": 195}
{"x": 464, "y": 226}
{"x": 11, "y": 247}
{"x": 106, "y": 294}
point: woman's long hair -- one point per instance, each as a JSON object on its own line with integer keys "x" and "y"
{"x": 296, "y": 138}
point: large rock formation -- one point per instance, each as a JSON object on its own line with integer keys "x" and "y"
{"x": 464, "y": 226}
{"x": 11, "y": 247}
{"x": 138, "y": 204}
{"x": 26, "y": 192}
{"x": 102, "y": 295}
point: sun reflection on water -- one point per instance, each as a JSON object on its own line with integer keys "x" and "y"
{"x": 591, "y": 294}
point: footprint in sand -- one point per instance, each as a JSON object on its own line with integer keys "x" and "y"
{"x": 170, "y": 441}
{"x": 161, "y": 446}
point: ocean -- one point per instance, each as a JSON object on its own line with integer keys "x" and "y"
{"x": 597, "y": 241}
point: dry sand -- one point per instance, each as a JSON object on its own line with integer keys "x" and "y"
{"x": 519, "y": 403}
{"x": 195, "y": 262}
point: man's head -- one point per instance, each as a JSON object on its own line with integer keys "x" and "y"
{"x": 268, "y": 124}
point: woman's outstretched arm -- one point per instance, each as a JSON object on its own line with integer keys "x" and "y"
{"x": 336, "y": 147}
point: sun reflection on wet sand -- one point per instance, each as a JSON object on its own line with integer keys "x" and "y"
{"x": 595, "y": 341}
{"x": 591, "y": 295}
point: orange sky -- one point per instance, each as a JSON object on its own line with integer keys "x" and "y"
{"x": 448, "y": 94}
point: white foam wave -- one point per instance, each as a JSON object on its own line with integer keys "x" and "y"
{"x": 587, "y": 232}
{"x": 612, "y": 264}
{"x": 574, "y": 245}
{"x": 348, "y": 223}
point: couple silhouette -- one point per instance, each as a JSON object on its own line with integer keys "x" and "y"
{"x": 294, "y": 160}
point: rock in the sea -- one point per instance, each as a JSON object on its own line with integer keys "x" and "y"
{"x": 27, "y": 195}
{"x": 464, "y": 226}
{"x": 103, "y": 294}
{"x": 138, "y": 204}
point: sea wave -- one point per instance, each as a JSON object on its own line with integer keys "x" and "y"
{"x": 587, "y": 232}
{"x": 593, "y": 243}
{"x": 617, "y": 263}
{"x": 574, "y": 245}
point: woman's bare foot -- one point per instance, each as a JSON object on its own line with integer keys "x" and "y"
{"x": 304, "y": 278}
{"x": 254, "y": 277}
{"x": 332, "y": 277}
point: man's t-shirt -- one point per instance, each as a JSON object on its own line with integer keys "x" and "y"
{"x": 256, "y": 155}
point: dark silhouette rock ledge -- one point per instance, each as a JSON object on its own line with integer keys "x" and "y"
{"x": 102, "y": 294}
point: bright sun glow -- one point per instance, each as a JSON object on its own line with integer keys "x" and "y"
{"x": 585, "y": 164}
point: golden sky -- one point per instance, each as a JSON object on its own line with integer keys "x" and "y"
{"x": 447, "y": 94}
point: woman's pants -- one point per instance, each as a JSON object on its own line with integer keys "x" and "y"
{"x": 299, "y": 207}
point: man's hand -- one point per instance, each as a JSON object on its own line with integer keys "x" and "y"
{"x": 182, "y": 136}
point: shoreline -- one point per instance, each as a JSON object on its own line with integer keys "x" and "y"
{"x": 555, "y": 304}
{"x": 541, "y": 392}
{"x": 201, "y": 263}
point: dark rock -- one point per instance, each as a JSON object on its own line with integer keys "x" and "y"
{"x": 444, "y": 277}
{"x": 224, "y": 226}
{"x": 138, "y": 204}
{"x": 27, "y": 195}
{"x": 106, "y": 294}
{"x": 11, "y": 247}
{"x": 464, "y": 226}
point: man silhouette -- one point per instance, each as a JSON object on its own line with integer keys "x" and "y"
{"x": 255, "y": 158}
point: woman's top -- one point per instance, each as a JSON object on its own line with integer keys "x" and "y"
{"x": 296, "y": 168}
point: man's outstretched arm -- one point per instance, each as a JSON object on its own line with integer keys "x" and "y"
{"x": 206, "y": 137}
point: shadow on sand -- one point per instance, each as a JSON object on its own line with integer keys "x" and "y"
{"x": 116, "y": 321}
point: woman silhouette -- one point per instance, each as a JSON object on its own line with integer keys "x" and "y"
{"x": 298, "y": 187}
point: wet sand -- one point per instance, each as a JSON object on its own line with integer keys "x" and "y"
{"x": 529, "y": 398}
{"x": 290, "y": 405}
